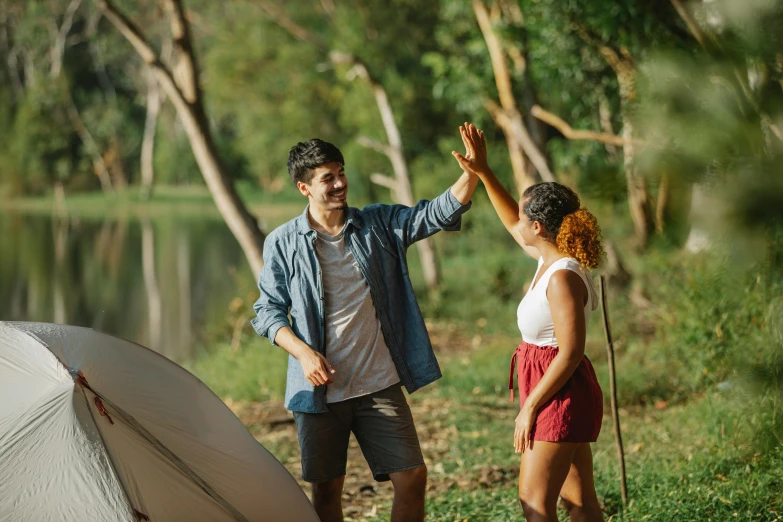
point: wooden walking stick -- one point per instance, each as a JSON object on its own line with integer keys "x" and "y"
{"x": 613, "y": 393}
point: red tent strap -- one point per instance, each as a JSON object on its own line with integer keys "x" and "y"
{"x": 82, "y": 381}
{"x": 102, "y": 409}
{"x": 140, "y": 515}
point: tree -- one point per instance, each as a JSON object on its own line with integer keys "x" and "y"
{"x": 400, "y": 185}
{"x": 527, "y": 159}
{"x": 182, "y": 85}
{"x": 621, "y": 37}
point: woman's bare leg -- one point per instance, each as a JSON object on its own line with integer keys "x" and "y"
{"x": 578, "y": 492}
{"x": 542, "y": 472}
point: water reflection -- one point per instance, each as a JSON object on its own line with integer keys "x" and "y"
{"x": 158, "y": 282}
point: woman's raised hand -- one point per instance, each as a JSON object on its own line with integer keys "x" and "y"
{"x": 475, "y": 159}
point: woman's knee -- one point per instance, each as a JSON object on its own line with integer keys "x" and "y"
{"x": 535, "y": 502}
{"x": 582, "y": 509}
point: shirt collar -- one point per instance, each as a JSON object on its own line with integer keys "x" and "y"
{"x": 353, "y": 218}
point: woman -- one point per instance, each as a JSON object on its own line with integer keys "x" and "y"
{"x": 561, "y": 401}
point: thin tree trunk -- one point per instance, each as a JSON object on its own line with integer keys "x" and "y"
{"x": 116, "y": 168}
{"x": 185, "y": 95}
{"x": 154, "y": 301}
{"x": 33, "y": 295}
{"x": 60, "y": 34}
{"x": 148, "y": 141}
{"x": 605, "y": 117}
{"x": 184, "y": 281}
{"x": 58, "y": 276}
{"x": 400, "y": 166}
{"x": 401, "y": 185}
{"x": 90, "y": 146}
{"x": 13, "y": 70}
{"x": 624, "y": 67}
{"x": 638, "y": 196}
{"x": 30, "y": 76}
{"x": 662, "y": 203}
{"x": 9, "y": 50}
{"x": 613, "y": 395}
{"x": 404, "y": 192}
{"x": 507, "y": 115}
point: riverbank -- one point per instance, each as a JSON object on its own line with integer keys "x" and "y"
{"x": 185, "y": 201}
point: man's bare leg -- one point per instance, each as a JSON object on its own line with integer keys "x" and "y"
{"x": 328, "y": 499}
{"x": 409, "y": 491}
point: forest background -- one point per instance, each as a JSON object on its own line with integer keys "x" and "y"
{"x": 143, "y": 150}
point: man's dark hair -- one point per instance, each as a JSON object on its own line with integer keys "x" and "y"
{"x": 305, "y": 157}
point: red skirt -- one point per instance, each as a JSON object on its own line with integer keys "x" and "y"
{"x": 574, "y": 413}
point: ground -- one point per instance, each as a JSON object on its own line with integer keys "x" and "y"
{"x": 685, "y": 461}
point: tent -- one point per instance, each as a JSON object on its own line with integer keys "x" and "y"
{"x": 97, "y": 428}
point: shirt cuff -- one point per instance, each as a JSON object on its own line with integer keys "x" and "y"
{"x": 271, "y": 331}
{"x": 452, "y": 206}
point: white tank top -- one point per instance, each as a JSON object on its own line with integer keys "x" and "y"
{"x": 534, "y": 316}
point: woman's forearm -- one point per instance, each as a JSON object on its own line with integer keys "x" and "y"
{"x": 504, "y": 203}
{"x": 560, "y": 370}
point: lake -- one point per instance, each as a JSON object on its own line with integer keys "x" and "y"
{"x": 163, "y": 282}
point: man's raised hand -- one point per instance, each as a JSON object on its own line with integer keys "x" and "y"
{"x": 475, "y": 159}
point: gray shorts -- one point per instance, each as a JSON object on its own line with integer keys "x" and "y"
{"x": 383, "y": 426}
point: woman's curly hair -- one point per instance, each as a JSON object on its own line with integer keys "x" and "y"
{"x": 573, "y": 229}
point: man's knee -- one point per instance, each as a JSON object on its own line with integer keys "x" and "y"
{"x": 411, "y": 480}
{"x": 328, "y": 492}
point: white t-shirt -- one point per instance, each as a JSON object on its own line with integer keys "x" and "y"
{"x": 534, "y": 317}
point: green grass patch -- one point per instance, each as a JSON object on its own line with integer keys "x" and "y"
{"x": 193, "y": 201}
{"x": 254, "y": 372}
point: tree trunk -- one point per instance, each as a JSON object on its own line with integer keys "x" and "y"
{"x": 699, "y": 238}
{"x": 148, "y": 141}
{"x": 534, "y": 166}
{"x": 59, "y": 301}
{"x": 605, "y": 117}
{"x": 154, "y": 301}
{"x": 394, "y": 151}
{"x": 638, "y": 197}
{"x": 59, "y": 36}
{"x": 116, "y": 168}
{"x": 623, "y": 65}
{"x": 239, "y": 220}
{"x": 184, "y": 281}
{"x": 185, "y": 95}
{"x": 401, "y": 185}
{"x": 662, "y": 203}
{"x": 90, "y": 146}
{"x": 519, "y": 167}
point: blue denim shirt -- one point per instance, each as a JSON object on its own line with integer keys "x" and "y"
{"x": 379, "y": 237}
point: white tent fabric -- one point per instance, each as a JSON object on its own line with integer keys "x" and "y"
{"x": 96, "y": 428}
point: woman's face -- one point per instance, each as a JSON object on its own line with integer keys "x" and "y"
{"x": 527, "y": 228}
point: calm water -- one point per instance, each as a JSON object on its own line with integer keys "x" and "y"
{"x": 162, "y": 282}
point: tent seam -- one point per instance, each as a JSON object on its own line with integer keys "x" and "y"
{"x": 131, "y": 507}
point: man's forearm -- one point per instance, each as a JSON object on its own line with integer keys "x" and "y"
{"x": 288, "y": 341}
{"x": 463, "y": 189}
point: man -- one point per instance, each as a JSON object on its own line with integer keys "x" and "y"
{"x": 355, "y": 333}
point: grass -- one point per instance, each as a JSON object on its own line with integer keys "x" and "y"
{"x": 696, "y": 460}
{"x": 185, "y": 201}
{"x": 699, "y": 380}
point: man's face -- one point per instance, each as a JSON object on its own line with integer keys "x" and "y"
{"x": 328, "y": 188}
